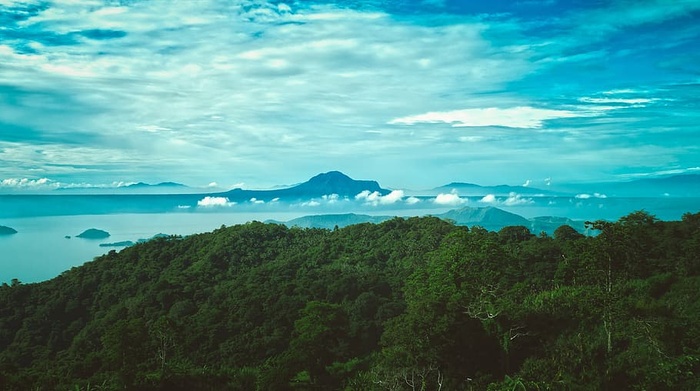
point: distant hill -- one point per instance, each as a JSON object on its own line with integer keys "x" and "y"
{"x": 685, "y": 185}
{"x": 490, "y": 218}
{"x": 333, "y": 182}
{"x": 330, "y": 221}
{"x": 135, "y": 188}
{"x": 142, "y": 185}
{"x": 493, "y": 219}
{"x": 549, "y": 224}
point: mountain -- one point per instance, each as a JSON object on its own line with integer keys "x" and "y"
{"x": 142, "y": 185}
{"x": 685, "y": 185}
{"x": 471, "y": 189}
{"x": 134, "y": 188}
{"x": 332, "y": 182}
{"x": 490, "y": 218}
{"x": 549, "y": 224}
{"x": 493, "y": 219}
{"x": 330, "y": 221}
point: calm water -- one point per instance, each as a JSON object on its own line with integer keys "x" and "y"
{"x": 40, "y": 250}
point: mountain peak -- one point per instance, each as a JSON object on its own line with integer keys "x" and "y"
{"x": 330, "y": 177}
{"x": 335, "y": 182}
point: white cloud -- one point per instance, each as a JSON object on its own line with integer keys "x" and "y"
{"x": 626, "y": 101}
{"x": 585, "y": 196}
{"x": 234, "y": 82}
{"x": 489, "y": 199}
{"x": 213, "y": 184}
{"x": 449, "y": 199}
{"x": 256, "y": 201}
{"x": 208, "y": 202}
{"x": 527, "y": 183}
{"x": 514, "y": 117}
{"x": 312, "y": 203}
{"x": 375, "y": 198}
{"x": 516, "y": 199}
{"x": 412, "y": 200}
{"x": 331, "y": 198}
{"x": 548, "y": 181}
{"x": 26, "y": 183}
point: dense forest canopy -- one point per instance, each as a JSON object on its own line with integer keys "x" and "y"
{"x": 408, "y": 304}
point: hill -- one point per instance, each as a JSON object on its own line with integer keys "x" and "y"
{"x": 685, "y": 185}
{"x": 490, "y": 218}
{"x": 330, "y": 221}
{"x": 332, "y": 182}
{"x": 487, "y": 217}
{"x": 267, "y": 307}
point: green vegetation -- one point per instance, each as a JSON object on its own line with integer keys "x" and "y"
{"x": 408, "y": 304}
{"x": 93, "y": 233}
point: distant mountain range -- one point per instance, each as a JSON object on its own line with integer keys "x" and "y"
{"x": 686, "y": 185}
{"x": 332, "y": 182}
{"x": 134, "y": 188}
{"x": 335, "y": 182}
{"x": 330, "y": 221}
{"x": 471, "y": 189}
{"x": 490, "y": 218}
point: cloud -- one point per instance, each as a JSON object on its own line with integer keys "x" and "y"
{"x": 412, "y": 200}
{"x": 375, "y": 198}
{"x": 99, "y": 91}
{"x": 232, "y": 82}
{"x": 516, "y": 199}
{"x": 311, "y": 203}
{"x": 513, "y": 199}
{"x": 331, "y": 198}
{"x": 585, "y": 196}
{"x": 26, "y": 183}
{"x": 256, "y": 201}
{"x": 514, "y": 117}
{"x": 449, "y": 199}
{"x": 489, "y": 199}
{"x": 210, "y": 202}
{"x": 527, "y": 183}
{"x": 627, "y": 101}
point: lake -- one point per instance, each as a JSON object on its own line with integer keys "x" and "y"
{"x": 41, "y": 251}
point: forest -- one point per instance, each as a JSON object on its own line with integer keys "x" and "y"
{"x": 408, "y": 304}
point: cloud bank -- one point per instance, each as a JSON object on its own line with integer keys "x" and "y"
{"x": 214, "y": 202}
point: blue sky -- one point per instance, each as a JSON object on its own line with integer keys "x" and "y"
{"x": 414, "y": 94}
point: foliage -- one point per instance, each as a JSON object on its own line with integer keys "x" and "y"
{"x": 414, "y": 304}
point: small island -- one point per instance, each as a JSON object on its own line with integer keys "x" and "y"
{"x": 7, "y": 230}
{"x": 94, "y": 233}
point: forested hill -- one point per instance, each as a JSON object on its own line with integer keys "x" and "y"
{"x": 407, "y": 304}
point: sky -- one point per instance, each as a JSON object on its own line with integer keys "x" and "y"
{"x": 413, "y": 94}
